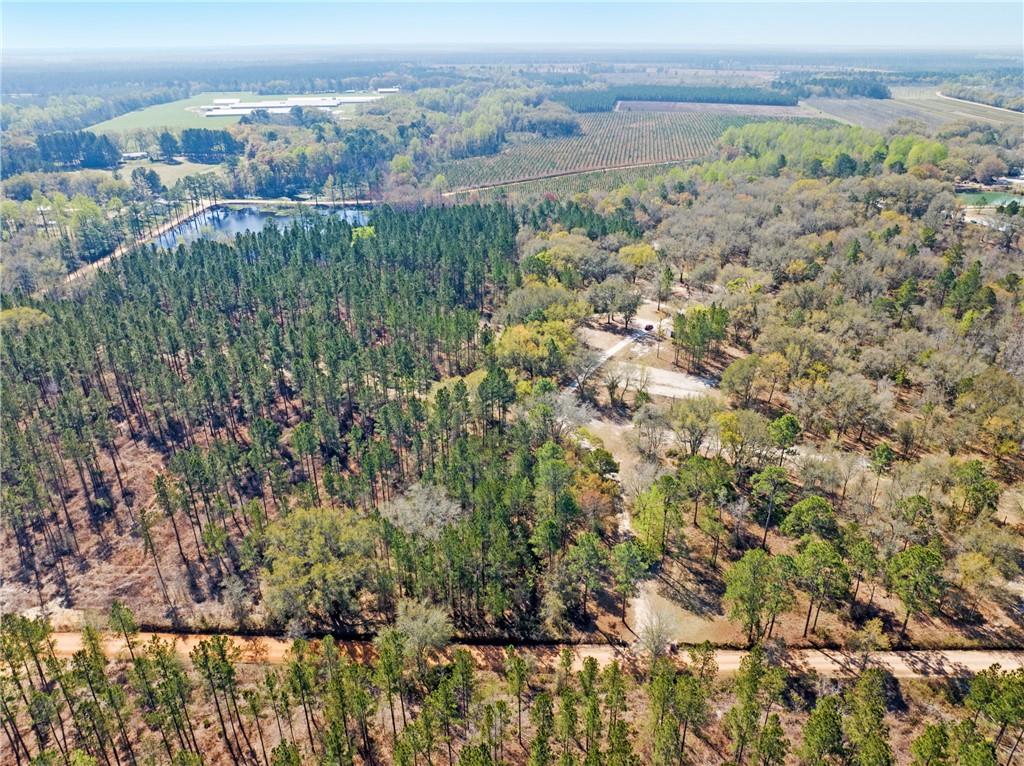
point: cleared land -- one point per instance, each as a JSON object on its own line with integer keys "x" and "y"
{"x": 988, "y": 198}
{"x": 565, "y": 185}
{"x": 663, "y": 75}
{"x": 609, "y": 140}
{"x": 689, "y": 107}
{"x": 922, "y": 104}
{"x": 183, "y": 113}
{"x": 174, "y": 114}
{"x": 170, "y": 173}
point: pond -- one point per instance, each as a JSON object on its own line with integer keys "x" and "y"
{"x": 226, "y": 222}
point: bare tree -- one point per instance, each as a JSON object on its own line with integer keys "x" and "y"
{"x": 426, "y": 627}
{"x": 644, "y": 475}
{"x": 583, "y": 367}
{"x": 424, "y": 510}
{"x": 655, "y": 636}
{"x": 651, "y": 424}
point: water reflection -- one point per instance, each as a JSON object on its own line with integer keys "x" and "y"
{"x": 225, "y": 223}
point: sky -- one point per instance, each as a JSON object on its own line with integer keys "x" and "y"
{"x": 42, "y": 25}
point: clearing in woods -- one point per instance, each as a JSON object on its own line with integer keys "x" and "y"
{"x": 170, "y": 173}
{"x": 184, "y": 113}
{"x": 608, "y": 140}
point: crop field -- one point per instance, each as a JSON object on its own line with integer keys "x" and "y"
{"x": 671, "y": 75}
{"x": 922, "y": 104}
{"x": 690, "y": 107}
{"x": 565, "y": 185}
{"x": 609, "y": 140}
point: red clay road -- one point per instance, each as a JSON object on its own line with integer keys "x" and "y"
{"x": 831, "y": 663}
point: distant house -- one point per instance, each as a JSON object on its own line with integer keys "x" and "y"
{"x": 387, "y": 90}
{"x": 132, "y": 156}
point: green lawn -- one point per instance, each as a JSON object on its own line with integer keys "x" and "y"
{"x": 988, "y": 198}
{"x": 174, "y": 115}
{"x": 169, "y": 174}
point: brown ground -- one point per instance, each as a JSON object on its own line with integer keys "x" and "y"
{"x": 827, "y": 663}
{"x": 914, "y": 703}
{"x": 686, "y": 592}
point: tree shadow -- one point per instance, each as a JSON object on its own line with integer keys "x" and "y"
{"x": 700, "y": 592}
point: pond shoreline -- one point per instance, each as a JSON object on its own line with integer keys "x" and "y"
{"x": 231, "y": 217}
{"x": 189, "y": 217}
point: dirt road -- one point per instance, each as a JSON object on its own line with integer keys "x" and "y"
{"x": 829, "y": 663}
{"x": 126, "y": 247}
{"x": 1014, "y": 112}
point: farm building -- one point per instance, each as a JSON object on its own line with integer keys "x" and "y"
{"x": 233, "y": 107}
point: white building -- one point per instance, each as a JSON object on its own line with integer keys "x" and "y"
{"x": 233, "y": 107}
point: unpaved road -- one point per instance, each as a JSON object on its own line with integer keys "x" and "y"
{"x": 671, "y": 384}
{"x": 830, "y": 663}
{"x": 1014, "y": 112}
{"x": 648, "y": 605}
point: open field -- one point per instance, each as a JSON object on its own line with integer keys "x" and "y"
{"x": 174, "y": 114}
{"x": 672, "y": 75}
{"x": 689, "y": 107}
{"x": 169, "y": 173}
{"x": 566, "y": 185}
{"x": 181, "y": 114}
{"x": 922, "y": 104}
{"x": 988, "y": 198}
{"x": 609, "y": 140}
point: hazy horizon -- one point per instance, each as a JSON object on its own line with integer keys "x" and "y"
{"x": 159, "y": 28}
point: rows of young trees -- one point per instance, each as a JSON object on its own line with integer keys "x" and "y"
{"x": 405, "y": 702}
{"x": 604, "y": 100}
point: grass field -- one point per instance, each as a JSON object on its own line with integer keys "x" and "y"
{"x": 921, "y": 104}
{"x": 169, "y": 174}
{"x": 174, "y": 114}
{"x": 177, "y": 115}
{"x": 609, "y": 140}
{"x": 981, "y": 199}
